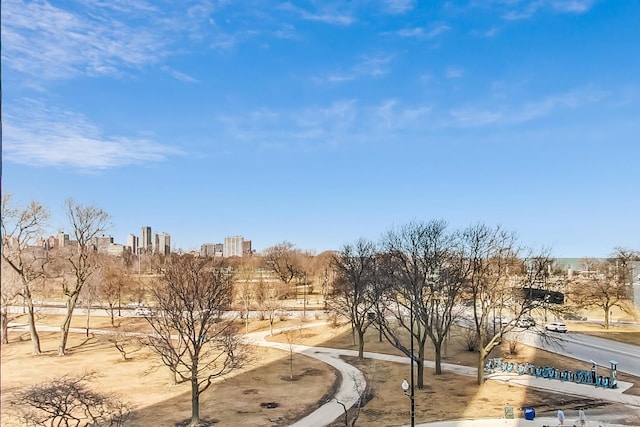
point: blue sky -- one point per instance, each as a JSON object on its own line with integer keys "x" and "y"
{"x": 320, "y": 122}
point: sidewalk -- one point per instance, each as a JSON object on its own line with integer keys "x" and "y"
{"x": 536, "y": 422}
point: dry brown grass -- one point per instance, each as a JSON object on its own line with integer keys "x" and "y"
{"x": 236, "y": 400}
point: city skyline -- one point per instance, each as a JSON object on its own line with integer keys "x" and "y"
{"x": 320, "y": 123}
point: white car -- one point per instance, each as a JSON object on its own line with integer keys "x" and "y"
{"x": 556, "y": 327}
{"x": 526, "y": 322}
{"x": 143, "y": 311}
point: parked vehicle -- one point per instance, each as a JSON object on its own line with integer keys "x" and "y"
{"x": 143, "y": 311}
{"x": 526, "y": 322}
{"x": 574, "y": 316}
{"x": 556, "y": 327}
{"x": 283, "y": 313}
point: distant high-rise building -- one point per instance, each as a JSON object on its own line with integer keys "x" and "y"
{"x": 218, "y": 250}
{"x": 132, "y": 243}
{"x": 246, "y": 247}
{"x": 63, "y": 239}
{"x": 233, "y": 246}
{"x": 102, "y": 243}
{"x": 211, "y": 250}
{"x": 146, "y": 244}
{"x": 162, "y": 244}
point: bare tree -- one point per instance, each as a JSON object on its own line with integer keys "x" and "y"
{"x": 354, "y": 287}
{"x": 419, "y": 285}
{"x": 86, "y": 223}
{"x": 622, "y": 258}
{"x": 283, "y": 259}
{"x": 68, "y": 401}
{"x": 269, "y": 295}
{"x": 293, "y": 337}
{"x": 499, "y": 284}
{"x": 113, "y": 278}
{"x": 21, "y": 227}
{"x": 363, "y": 390}
{"x": 245, "y": 289}
{"x": 603, "y": 287}
{"x": 125, "y": 342}
{"x": 191, "y": 335}
{"x": 10, "y": 290}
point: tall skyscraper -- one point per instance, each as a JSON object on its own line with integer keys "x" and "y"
{"x": 233, "y": 246}
{"x": 146, "y": 244}
{"x": 132, "y": 243}
{"x": 162, "y": 244}
{"x": 246, "y": 247}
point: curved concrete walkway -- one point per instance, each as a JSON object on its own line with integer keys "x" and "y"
{"x": 352, "y": 378}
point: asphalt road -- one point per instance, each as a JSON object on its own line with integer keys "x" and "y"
{"x": 584, "y": 347}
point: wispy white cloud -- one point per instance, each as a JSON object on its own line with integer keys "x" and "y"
{"x": 37, "y": 135}
{"x": 339, "y": 123}
{"x": 523, "y": 9}
{"x": 47, "y": 42}
{"x": 491, "y": 32}
{"x": 368, "y": 66}
{"x": 453, "y": 72}
{"x": 327, "y": 14}
{"x": 517, "y": 114}
{"x": 391, "y": 116}
{"x": 420, "y": 33}
{"x": 573, "y": 6}
{"x": 398, "y": 6}
{"x": 179, "y": 76}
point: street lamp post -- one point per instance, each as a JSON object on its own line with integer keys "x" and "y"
{"x": 405, "y": 384}
{"x": 413, "y": 411}
{"x": 304, "y": 297}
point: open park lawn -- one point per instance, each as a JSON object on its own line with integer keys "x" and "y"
{"x": 240, "y": 399}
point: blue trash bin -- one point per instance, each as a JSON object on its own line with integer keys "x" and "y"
{"x": 529, "y": 413}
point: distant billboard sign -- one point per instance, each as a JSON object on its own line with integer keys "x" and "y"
{"x": 543, "y": 295}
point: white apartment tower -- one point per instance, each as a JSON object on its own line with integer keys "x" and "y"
{"x": 233, "y": 246}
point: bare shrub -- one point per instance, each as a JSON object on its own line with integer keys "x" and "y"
{"x": 470, "y": 339}
{"x": 68, "y": 401}
{"x": 514, "y": 348}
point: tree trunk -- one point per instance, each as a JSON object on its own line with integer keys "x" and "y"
{"x": 5, "y": 327}
{"x": 420, "y": 366}
{"x": 173, "y": 380}
{"x": 195, "y": 400}
{"x": 31, "y": 318}
{"x": 271, "y": 323}
{"x": 360, "y": 344}
{"x": 71, "y": 304}
{"x": 88, "y": 324}
{"x": 606, "y": 317}
{"x": 482, "y": 357}
{"x": 438, "y": 356}
{"x": 291, "y": 364}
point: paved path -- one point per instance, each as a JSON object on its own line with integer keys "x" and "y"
{"x": 347, "y": 393}
{"x": 570, "y": 420}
